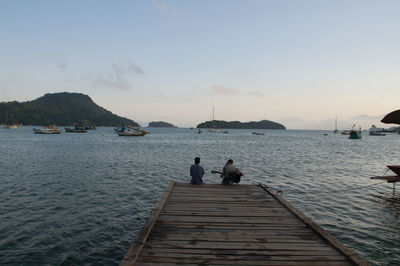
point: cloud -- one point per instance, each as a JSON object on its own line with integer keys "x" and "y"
{"x": 224, "y": 90}
{"x": 256, "y": 93}
{"x": 62, "y": 66}
{"x": 118, "y": 78}
{"x": 163, "y": 7}
{"x": 111, "y": 81}
{"x": 126, "y": 67}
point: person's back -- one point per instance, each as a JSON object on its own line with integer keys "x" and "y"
{"x": 196, "y": 172}
{"x": 229, "y": 173}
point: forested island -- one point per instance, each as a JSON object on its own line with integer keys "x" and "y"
{"x": 61, "y": 109}
{"x": 263, "y": 124}
{"x": 161, "y": 124}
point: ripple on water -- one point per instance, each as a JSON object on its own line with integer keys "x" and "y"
{"x": 81, "y": 199}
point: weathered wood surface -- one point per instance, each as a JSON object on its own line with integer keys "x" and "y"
{"x": 233, "y": 225}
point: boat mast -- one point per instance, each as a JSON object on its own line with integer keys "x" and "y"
{"x": 336, "y": 130}
{"x": 335, "y": 123}
{"x": 213, "y": 116}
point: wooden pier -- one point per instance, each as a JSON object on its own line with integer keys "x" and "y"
{"x": 233, "y": 225}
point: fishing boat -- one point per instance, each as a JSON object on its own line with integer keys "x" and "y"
{"x": 75, "y": 129}
{"x": 355, "y": 133}
{"x": 47, "y": 130}
{"x": 122, "y": 128}
{"x": 132, "y": 132}
{"x": 257, "y": 133}
{"x": 352, "y": 129}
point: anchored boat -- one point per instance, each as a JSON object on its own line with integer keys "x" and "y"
{"x": 47, "y": 130}
{"x": 355, "y": 133}
{"x": 130, "y": 132}
{"x": 75, "y": 129}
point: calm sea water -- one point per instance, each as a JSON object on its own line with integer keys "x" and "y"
{"x": 81, "y": 199}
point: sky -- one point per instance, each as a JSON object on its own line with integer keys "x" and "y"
{"x": 299, "y": 63}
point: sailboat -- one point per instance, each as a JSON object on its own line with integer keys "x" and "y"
{"x": 213, "y": 129}
{"x": 336, "y": 131}
{"x": 11, "y": 126}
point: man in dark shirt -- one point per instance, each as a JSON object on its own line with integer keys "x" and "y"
{"x": 196, "y": 172}
{"x": 229, "y": 173}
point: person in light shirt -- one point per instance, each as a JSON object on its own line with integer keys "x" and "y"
{"x": 196, "y": 172}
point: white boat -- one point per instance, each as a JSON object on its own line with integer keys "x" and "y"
{"x": 47, "y": 130}
{"x": 11, "y": 126}
{"x": 131, "y": 132}
{"x": 375, "y": 131}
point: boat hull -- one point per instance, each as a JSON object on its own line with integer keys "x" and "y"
{"x": 44, "y": 131}
{"x": 354, "y": 135}
{"x": 128, "y": 134}
{"x": 75, "y": 130}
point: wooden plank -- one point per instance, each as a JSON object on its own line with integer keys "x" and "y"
{"x": 264, "y": 215}
{"x": 270, "y": 231}
{"x": 222, "y": 228}
{"x": 194, "y": 205}
{"x": 232, "y": 234}
{"x": 328, "y": 237}
{"x": 239, "y": 262}
{"x": 230, "y": 225}
{"x": 250, "y": 257}
{"x": 265, "y": 209}
{"x": 239, "y": 245}
{"x": 261, "y": 252}
{"x": 133, "y": 253}
{"x": 234, "y": 238}
{"x": 248, "y": 263}
{"x": 229, "y": 219}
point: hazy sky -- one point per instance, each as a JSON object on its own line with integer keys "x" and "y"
{"x": 297, "y": 62}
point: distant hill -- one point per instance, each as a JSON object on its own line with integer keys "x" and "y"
{"x": 263, "y": 124}
{"x": 160, "y": 124}
{"x": 61, "y": 109}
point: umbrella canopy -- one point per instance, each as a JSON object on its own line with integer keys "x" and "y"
{"x": 392, "y": 118}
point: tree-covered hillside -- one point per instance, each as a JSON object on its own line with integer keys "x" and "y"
{"x": 160, "y": 124}
{"x": 263, "y": 124}
{"x": 61, "y": 109}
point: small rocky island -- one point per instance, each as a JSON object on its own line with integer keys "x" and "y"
{"x": 161, "y": 124}
{"x": 263, "y": 124}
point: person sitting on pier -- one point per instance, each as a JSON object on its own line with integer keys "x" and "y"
{"x": 196, "y": 172}
{"x": 230, "y": 174}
